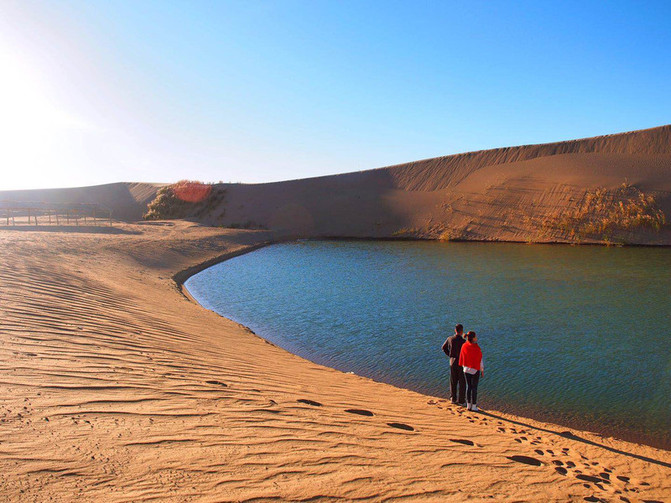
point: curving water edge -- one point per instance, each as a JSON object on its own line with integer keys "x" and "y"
{"x": 283, "y": 304}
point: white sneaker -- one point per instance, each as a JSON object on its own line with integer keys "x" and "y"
{"x": 474, "y": 408}
{"x": 468, "y": 405}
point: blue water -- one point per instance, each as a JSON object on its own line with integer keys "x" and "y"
{"x": 574, "y": 335}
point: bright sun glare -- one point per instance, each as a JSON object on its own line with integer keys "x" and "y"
{"x": 32, "y": 126}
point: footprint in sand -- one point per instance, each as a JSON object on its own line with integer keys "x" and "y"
{"x": 401, "y": 426}
{"x": 527, "y": 460}
{"x": 590, "y": 478}
{"x": 309, "y": 402}
{"x": 360, "y": 412}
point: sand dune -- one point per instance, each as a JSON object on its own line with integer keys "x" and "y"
{"x": 126, "y": 201}
{"x": 444, "y": 172}
{"x": 505, "y": 194}
{"x": 502, "y": 194}
{"x": 115, "y": 387}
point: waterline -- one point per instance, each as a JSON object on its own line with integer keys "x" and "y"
{"x": 567, "y": 332}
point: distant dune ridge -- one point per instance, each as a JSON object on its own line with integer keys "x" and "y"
{"x": 115, "y": 387}
{"x": 444, "y": 172}
{"x": 127, "y": 201}
{"x": 506, "y": 194}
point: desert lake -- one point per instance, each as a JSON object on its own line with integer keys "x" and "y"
{"x": 576, "y": 335}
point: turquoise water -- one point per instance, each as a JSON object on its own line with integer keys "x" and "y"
{"x": 579, "y": 336}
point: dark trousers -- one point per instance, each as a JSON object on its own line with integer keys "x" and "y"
{"x": 472, "y": 386}
{"x": 457, "y": 381}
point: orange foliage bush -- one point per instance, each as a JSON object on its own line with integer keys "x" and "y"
{"x": 184, "y": 199}
{"x": 191, "y": 191}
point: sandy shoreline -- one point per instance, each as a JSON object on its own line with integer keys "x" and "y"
{"x": 593, "y": 427}
{"x": 115, "y": 387}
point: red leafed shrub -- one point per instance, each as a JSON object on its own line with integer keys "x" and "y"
{"x": 190, "y": 191}
{"x": 185, "y": 199}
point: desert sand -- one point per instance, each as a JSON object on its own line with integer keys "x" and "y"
{"x": 115, "y": 386}
{"x": 493, "y": 195}
{"x": 504, "y": 194}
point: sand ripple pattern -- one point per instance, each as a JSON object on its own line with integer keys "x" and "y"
{"x": 115, "y": 387}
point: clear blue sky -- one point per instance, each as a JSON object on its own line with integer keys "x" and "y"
{"x": 251, "y": 91}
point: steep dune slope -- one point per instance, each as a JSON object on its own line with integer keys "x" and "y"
{"x": 501, "y": 194}
{"x": 517, "y": 193}
{"x": 443, "y": 172}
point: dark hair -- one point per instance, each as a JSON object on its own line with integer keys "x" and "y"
{"x": 470, "y": 336}
{"x": 459, "y": 327}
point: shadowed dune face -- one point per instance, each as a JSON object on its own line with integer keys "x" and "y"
{"x": 498, "y": 202}
{"x": 126, "y": 201}
{"x": 501, "y": 194}
{"x": 505, "y": 194}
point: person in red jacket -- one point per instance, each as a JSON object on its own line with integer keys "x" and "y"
{"x": 471, "y": 361}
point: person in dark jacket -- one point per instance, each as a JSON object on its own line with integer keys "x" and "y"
{"x": 452, "y": 348}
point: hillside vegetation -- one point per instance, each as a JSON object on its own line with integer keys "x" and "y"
{"x": 185, "y": 199}
{"x": 569, "y": 191}
{"x": 609, "y": 215}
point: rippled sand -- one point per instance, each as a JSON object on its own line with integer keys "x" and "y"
{"x": 115, "y": 387}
